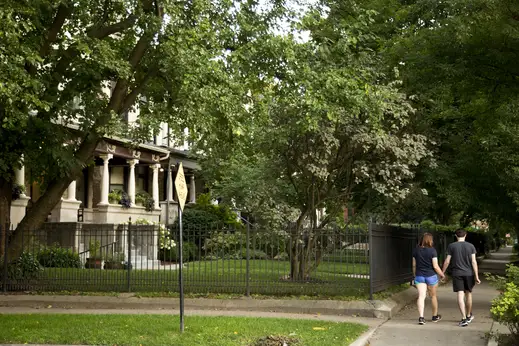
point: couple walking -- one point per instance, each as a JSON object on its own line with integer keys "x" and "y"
{"x": 461, "y": 256}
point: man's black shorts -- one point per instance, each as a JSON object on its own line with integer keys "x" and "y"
{"x": 463, "y": 283}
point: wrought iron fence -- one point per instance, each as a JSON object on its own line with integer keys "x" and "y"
{"x": 217, "y": 259}
{"x": 391, "y": 255}
{"x": 351, "y": 261}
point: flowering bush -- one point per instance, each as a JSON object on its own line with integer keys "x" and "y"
{"x": 165, "y": 241}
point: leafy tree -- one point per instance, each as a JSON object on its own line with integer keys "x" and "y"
{"x": 169, "y": 59}
{"x": 459, "y": 59}
{"x": 325, "y": 128}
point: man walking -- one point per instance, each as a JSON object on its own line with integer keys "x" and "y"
{"x": 462, "y": 256}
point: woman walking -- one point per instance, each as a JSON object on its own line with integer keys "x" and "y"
{"x": 425, "y": 268}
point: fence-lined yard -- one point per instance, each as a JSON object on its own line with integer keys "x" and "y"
{"x": 244, "y": 260}
{"x": 216, "y": 260}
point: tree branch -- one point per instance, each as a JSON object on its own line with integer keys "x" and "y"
{"x": 105, "y": 11}
{"x": 121, "y": 88}
{"x": 132, "y": 96}
{"x": 63, "y": 12}
{"x": 101, "y": 32}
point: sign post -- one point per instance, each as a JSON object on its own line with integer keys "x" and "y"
{"x": 181, "y": 190}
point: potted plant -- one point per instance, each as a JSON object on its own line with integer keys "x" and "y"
{"x": 95, "y": 259}
{"x": 114, "y": 261}
{"x": 149, "y": 204}
{"x": 114, "y": 197}
{"x": 140, "y": 198}
{"x": 125, "y": 200}
{"x": 18, "y": 190}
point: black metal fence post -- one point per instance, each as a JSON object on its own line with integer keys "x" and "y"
{"x": 129, "y": 262}
{"x": 247, "y": 263}
{"x": 4, "y": 283}
{"x": 371, "y": 262}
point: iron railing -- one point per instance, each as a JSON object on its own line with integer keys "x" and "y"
{"x": 351, "y": 261}
{"x": 217, "y": 259}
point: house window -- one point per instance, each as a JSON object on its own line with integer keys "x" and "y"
{"x": 141, "y": 178}
{"x": 117, "y": 178}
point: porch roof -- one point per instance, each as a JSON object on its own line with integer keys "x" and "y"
{"x": 126, "y": 149}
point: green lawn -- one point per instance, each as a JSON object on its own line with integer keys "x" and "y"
{"x": 164, "y": 330}
{"x": 221, "y": 276}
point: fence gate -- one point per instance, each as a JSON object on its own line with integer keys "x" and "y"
{"x": 390, "y": 255}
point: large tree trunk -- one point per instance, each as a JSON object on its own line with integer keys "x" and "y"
{"x": 305, "y": 254}
{"x": 120, "y": 101}
{"x": 6, "y": 189}
{"x": 37, "y": 215}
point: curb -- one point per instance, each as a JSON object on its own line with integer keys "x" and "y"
{"x": 364, "y": 339}
{"x": 384, "y": 309}
{"x": 491, "y": 341}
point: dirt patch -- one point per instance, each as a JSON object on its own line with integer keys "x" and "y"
{"x": 276, "y": 340}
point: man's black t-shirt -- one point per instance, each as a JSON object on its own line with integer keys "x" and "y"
{"x": 424, "y": 256}
{"x": 461, "y": 258}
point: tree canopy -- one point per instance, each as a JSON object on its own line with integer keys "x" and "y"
{"x": 459, "y": 59}
{"x": 168, "y": 59}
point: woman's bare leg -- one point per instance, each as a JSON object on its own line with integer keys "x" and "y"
{"x": 434, "y": 299}
{"x": 420, "y": 303}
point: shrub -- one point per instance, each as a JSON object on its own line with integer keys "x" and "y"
{"x": 57, "y": 257}
{"x": 253, "y": 254}
{"x": 26, "y": 267}
{"x": 270, "y": 242}
{"x": 282, "y": 256}
{"x": 211, "y": 258}
{"x": 116, "y": 257}
{"x": 94, "y": 249}
{"x": 224, "y": 243}
{"x": 234, "y": 256}
{"x": 189, "y": 253}
{"x": 347, "y": 255}
{"x": 203, "y": 215}
{"x": 505, "y": 308}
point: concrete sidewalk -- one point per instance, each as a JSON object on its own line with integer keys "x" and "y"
{"x": 403, "y": 329}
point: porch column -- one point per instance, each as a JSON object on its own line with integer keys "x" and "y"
{"x": 105, "y": 183}
{"x": 170, "y": 184}
{"x": 20, "y": 177}
{"x": 131, "y": 180}
{"x": 155, "y": 185}
{"x": 192, "y": 189}
{"x": 71, "y": 191}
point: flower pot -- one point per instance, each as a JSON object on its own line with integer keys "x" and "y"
{"x": 94, "y": 263}
{"x": 113, "y": 265}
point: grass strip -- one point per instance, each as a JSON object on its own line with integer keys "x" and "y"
{"x": 164, "y": 330}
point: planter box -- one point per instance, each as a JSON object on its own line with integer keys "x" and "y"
{"x": 94, "y": 263}
{"x": 113, "y": 265}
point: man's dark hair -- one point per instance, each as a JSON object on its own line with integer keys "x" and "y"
{"x": 460, "y": 233}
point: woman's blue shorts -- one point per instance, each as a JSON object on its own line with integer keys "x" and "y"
{"x": 429, "y": 280}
